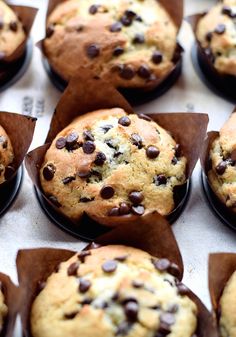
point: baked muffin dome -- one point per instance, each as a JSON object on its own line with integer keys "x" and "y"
{"x": 228, "y": 309}
{"x": 113, "y": 291}
{"x": 107, "y": 163}
{"x": 11, "y": 31}
{"x": 216, "y": 32}
{"x": 6, "y": 156}
{"x": 131, "y": 43}
{"x": 3, "y": 309}
{"x": 222, "y": 176}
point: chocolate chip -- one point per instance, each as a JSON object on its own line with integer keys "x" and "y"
{"x": 138, "y": 39}
{"x": 60, "y": 143}
{"x": 82, "y": 255}
{"x": 109, "y": 266}
{"x": 118, "y": 51}
{"x": 71, "y": 315}
{"x": 127, "y": 72}
{"x": 121, "y": 258}
{"x": 209, "y": 36}
{"x": 50, "y": 30}
{"x": 137, "y": 284}
{"x": 93, "y": 51}
{"x": 71, "y": 140}
{"x": 160, "y": 180}
{"x": 87, "y": 301}
{"x": 163, "y": 330}
{"x": 2, "y": 55}
{"x": 123, "y": 329}
{"x": 173, "y": 308}
{"x": 131, "y": 311}
{"x": 9, "y": 171}
{"x": 86, "y": 199}
{"x": 161, "y": 264}
{"x": 138, "y": 210}
{"x": 13, "y": 26}
{"x": 1, "y": 23}
{"x": 83, "y": 173}
{"x": 84, "y": 285}
{"x": 157, "y": 57}
{"x": 145, "y": 117}
{"x": 100, "y": 159}
{"x": 93, "y": 9}
{"x": 87, "y": 135}
{"x": 107, "y": 127}
{"x": 136, "y": 197}
{"x": 114, "y": 211}
{"x": 152, "y": 152}
{"x": 72, "y": 269}
{"x": 3, "y": 142}
{"x": 126, "y": 21}
{"x": 89, "y": 147}
{"x": 144, "y": 71}
{"x": 109, "y": 143}
{"x": 130, "y": 14}
{"x": 116, "y": 27}
{"x": 137, "y": 140}
{"x": 221, "y": 168}
{"x": 54, "y": 201}
{"x": 226, "y": 10}
{"x": 139, "y": 19}
{"x": 79, "y": 28}
{"x": 124, "y": 121}
{"x": 220, "y": 29}
{"x": 68, "y": 180}
{"x": 107, "y": 192}
{"x": 182, "y": 289}
{"x": 167, "y": 318}
{"x": 49, "y": 171}
{"x": 124, "y": 208}
{"x": 174, "y": 161}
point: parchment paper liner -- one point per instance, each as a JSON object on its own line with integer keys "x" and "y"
{"x": 221, "y": 267}
{"x": 84, "y": 95}
{"x": 20, "y": 130}
{"x": 152, "y": 234}
{"x": 11, "y": 294}
{"x": 175, "y": 8}
{"x": 228, "y": 80}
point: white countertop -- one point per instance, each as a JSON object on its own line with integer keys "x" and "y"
{"x": 198, "y": 230}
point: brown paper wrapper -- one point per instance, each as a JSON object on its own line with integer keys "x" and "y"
{"x": 11, "y": 294}
{"x": 85, "y": 94}
{"x": 20, "y": 130}
{"x": 218, "y": 277}
{"x": 158, "y": 240}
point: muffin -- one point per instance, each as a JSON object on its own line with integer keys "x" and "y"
{"x": 216, "y": 33}
{"x": 12, "y": 34}
{"x": 113, "y": 291}
{"x": 227, "y": 320}
{"x": 107, "y": 163}
{"x": 6, "y": 156}
{"x": 3, "y": 309}
{"x": 130, "y": 43}
{"x": 222, "y": 175}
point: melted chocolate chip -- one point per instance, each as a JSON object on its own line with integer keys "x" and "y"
{"x": 68, "y": 180}
{"x": 131, "y": 311}
{"x": 145, "y": 117}
{"x": 87, "y": 301}
{"x": 87, "y": 135}
{"x": 109, "y": 143}
{"x": 118, "y": 51}
{"x": 107, "y": 127}
{"x": 107, "y": 192}
{"x": 138, "y": 210}
{"x": 82, "y": 255}
{"x": 49, "y": 31}
{"x": 72, "y": 269}
{"x": 137, "y": 140}
{"x": 49, "y": 171}
{"x": 121, "y": 258}
{"x": 152, "y": 152}
{"x": 160, "y": 180}
{"x": 84, "y": 199}
{"x": 83, "y": 173}
{"x": 54, "y": 201}
{"x": 116, "y": 27}
{"x": 93, "y": 9}
{"x": 173, "y": 309}
{"x": 127, "y": 72}
{"x": 226, "y": 10}
{"x": 1, "y": 23}
{"x": 109, "y": 266}
{"x": 136, "y": 197}
{"x": 137, "y": 284}
{"x": 114, "y": 211}
{"x": 89, "y": 147}
{"x": 13, "y": 26}
{"x": 93, "y": 51}
{"x": 124, "y": 121}
{"x": 138, "y": 39}
{"x": 144, "y": 72}
{"x": 209, "y": 36}
{"x": 221, "y": 168}
{"x": 100, "y": 159}
{"x": 84, "y": 285}
{"x": 157, "y": 57}
{"x": 161, "y": 264}
{"x": 71, "y": 315}
{"x": 60, "y": 143}
{"x": 220, "y": 29}
{"x": 124, "y": 208}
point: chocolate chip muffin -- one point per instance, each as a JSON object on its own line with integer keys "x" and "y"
{"x": 6, "y": 156}
{"x": 131, "y": 43}
{"x": 114, "y": 291}
{"x": 222, "y": 176}
{"x": 107, "y": 163}
{"x": 11, "y": 31}
{"x": 216, "y": 32}
{"x": 228, "y": 309}
{"x": 3, "y": 308}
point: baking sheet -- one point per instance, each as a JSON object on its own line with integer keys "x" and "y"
{"x": 197, "y": 230}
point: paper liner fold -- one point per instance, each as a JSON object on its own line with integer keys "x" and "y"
{"x": 11, "y": 299}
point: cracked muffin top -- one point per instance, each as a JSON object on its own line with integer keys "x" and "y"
{"x": 6, "y": 156}
{"x": 130, "y": 43}
{"x": 114, "y": 291}
{"x": 110, "y": 164}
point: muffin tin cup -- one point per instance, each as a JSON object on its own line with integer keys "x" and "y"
{"x": 152, "y": 234}
{"x": 13, "y": 66}
{"x": 222, "y": 85}
{"x": 225, "y": 214}
{"x": 20, "y": 130}
{"x": 86, "y": 94}
{"x": 11, "y": 299}
{"x": 218, "y": 277}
